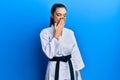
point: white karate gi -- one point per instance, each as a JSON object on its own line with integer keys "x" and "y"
{"x": 66, "y": 45}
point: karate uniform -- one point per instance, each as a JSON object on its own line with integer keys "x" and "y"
{"x": 65, "y": 45}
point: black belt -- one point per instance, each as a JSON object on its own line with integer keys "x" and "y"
{"x": 64, "y": 59}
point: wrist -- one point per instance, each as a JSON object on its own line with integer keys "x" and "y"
{"x": 56, "y": 37}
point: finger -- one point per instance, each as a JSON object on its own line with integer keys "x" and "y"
{"x": 63, "y": 18}
{"x": 55, "y": 24}
{"x": 55, "y": 27}
{"x": 62, "y": 22}
{"x": 59, "y": 22}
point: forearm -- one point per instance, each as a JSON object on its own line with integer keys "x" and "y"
{"x": 78, "y": 75}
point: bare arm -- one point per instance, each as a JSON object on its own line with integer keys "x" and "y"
{"x": 78, "y": 75}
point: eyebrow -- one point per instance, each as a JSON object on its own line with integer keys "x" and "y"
{"x": 60, "y": 13}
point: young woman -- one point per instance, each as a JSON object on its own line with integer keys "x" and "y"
{"x": 60, "y": 46}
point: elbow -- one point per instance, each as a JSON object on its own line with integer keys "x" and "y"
{"x": 50, "y": 57}
{"x": 49, "y": 54}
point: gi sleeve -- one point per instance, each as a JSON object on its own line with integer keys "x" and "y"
{"x": 76, "y": 56}
{"x": 49, "y": 47}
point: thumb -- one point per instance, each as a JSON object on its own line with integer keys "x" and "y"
{"x": 55, "y": 24}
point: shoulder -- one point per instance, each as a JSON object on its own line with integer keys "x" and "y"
{"x": 45, "y": 31}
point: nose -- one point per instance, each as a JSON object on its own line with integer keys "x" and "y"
{"x": 63, "y": 17}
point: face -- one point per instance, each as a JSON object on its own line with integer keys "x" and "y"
{"x": 59, "y": 13}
